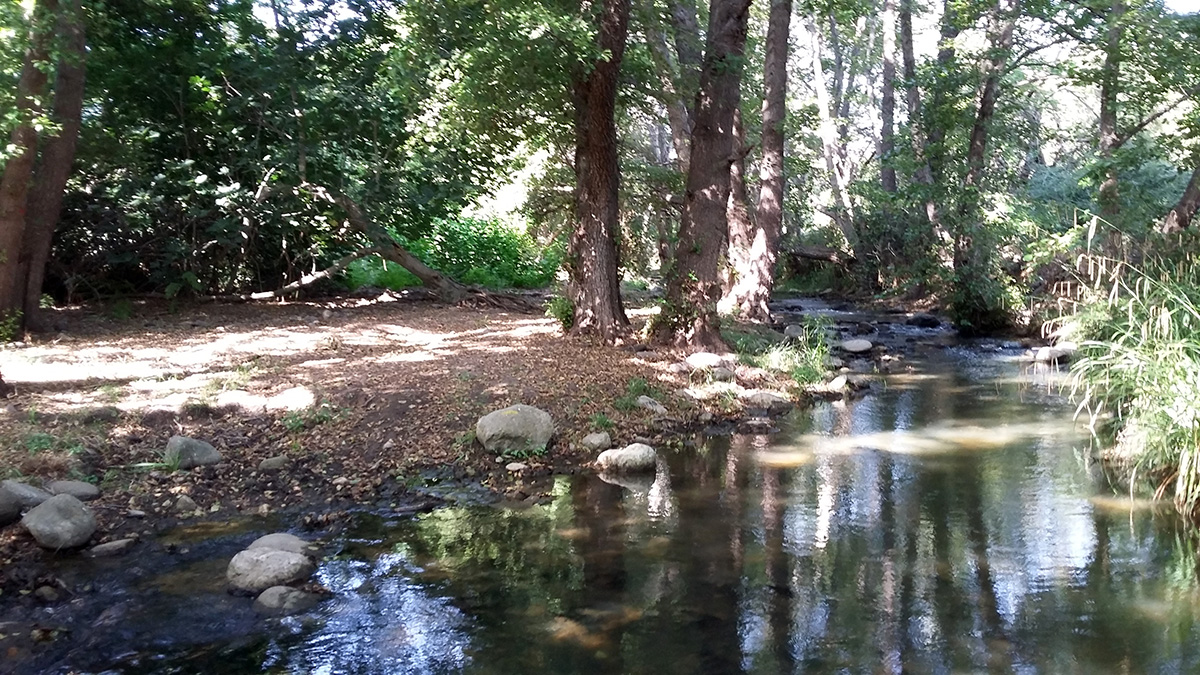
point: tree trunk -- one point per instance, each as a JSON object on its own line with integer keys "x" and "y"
{"x": 1110, "y": 87}
{"x": 689, "y": 312}
{"x": 18, "y": 171}
{"x": 687, "y": 46}
{"x": 737, "y": 213}
{"x": 754, "y": 269}
{"x": 1180, "y": 217}
{"x": 678, "y": 115}
{"x": 843, "y": 211}
{"x": 887, "y": 143}
{"x": 592, "y": 256}
{"x": 935, "y": 152}
{"x": 923, "y": 175}
{"x": 57, "y": 157}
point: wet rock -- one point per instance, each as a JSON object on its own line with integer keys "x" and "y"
{"x": 26, "y": 495}
{"x": 722, "y": 374}
{"x": 84, "y": 492}
{"x": 1060, "y": 353}
{"x": 704, "y": 360}
{"x": 633, "y": 458}
{"x": 60, "y": 522}
{"x": 273, "y": 463}
{"x": 651, "y": 405}
{"x": 256, "y": 570}
{"x": 857, "y": 346}
{"x": 46, "y": 594}
{"x": 597, "y": 442}
{"x": 284, "y": 601}
{"x": 924, "y": 320}
{"x": 111, "y": 548}
{"x": 282, "y": 541}
{"x": 517, "y": 428}
{"x": 188, "y": 453}
{"x": 770, "y": 401}
{"x": 863, "y": 328}
{"x": 837, "y": 384}
{"x": 185, "y": 504}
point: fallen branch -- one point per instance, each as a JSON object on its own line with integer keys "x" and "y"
{"x": 824, "y": 253}
{"x": 303, "y": 281}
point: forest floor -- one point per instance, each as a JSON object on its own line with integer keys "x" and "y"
{"x": 368, "y": 400}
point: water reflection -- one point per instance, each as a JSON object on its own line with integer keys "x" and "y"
{"x": 943, "y": 524}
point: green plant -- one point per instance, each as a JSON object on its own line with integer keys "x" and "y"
{"x": 10, "y": 325}
{"x": 801, "y": 357}
{"x": 601, "y": 421}
{"x": 307, "y": 418}
{"x": 39, "y": 442}
{"x": 46, "y": 301}
{"x": 636, "y": 388}
{"x": 121, "y": 309}
{"x": 563, "y": 310}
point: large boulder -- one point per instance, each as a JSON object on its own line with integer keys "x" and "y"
{"x": 633, "y": 458}
{"x": 188, "y": 453}
{"x": 282, "y": 541}
{"x": 27, "y": 495}
{"x": 60, "y": 522}
{"x": 517, "y": 428}
{"x": 284, "y": 601}
{"x": 10, "y": 508}
{"x": 1059, "y": 353}
{"x": 772, "y": 402}
{"x": 84, "y": 492}
{"x": 256, "y": 570}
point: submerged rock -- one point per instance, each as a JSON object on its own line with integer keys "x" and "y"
{"x": 282, "y": 541}
{"x": 256, "y": 570}
{"x": 924, "y": 320}
{"x": 517, "y": 428}
{"x": 597, "y": 442}
{"x": 284, "y": 601}
{"x": 60, "y": 522}
{"x": 26, "y": 495}
{"x": 857, "y": 346}
{"x": 84, "y": 492}
{"x": 188, "y": 453}
{"x": 633, "y": 458}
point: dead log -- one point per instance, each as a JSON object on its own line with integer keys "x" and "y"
{"x": 303, "y": 281}
{"x": 825, "y": 253}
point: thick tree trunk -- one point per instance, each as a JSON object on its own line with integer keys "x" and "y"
{"x": 689, "y": 313}
{"x": 592, "y": 256}
{"x": 1110, "y": 86}
{"x": 1181, "y": 216}
{"x": 686, "y": 28}
{"x": 18, "y": 171}
{"x": 887, "y": 142}
{"x": 843, "y": 210}
{"x": 754, "y": 268}
{"x": 57, "y": 157}
{"x": 737, "y": 214}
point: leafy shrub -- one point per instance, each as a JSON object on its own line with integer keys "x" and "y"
{"x": 803, "y": 358}
{"x": 562, "y": 309}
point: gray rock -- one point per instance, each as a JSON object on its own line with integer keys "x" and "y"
{"x": 519, "y": 428}
{"x": 837, "y": 384}
{"x": 516, "y": 466}
{"x": 651, "y": 405}
{"x": 46, "y": 594}
{"x": 794, "y": 331}
{"x": 25, "y": 494}
{"x": 704, "y": 360}
{"x": 111, "y": 548}
{"x": 634, "y": 458}
{"x": 282, "y": 541}
{"x": 188, "y": 453}
{"x": 84, "y": 492}
{"x": 60, "y": 522}
{"x": 284, "y": 601}
{"x": 185, "y": 504}
{"x": 722, "y": 374}
{"x": 597, "y": 442}
{"x": 924, "y": 320}
{"x": 10, "y": 508}
{"x": 857, "y": 346}
{"x": 680, "y": 368}
{"x": 256, "y": 570}
{"x": 273, "y": 463}
{"x": 770, "y": 401}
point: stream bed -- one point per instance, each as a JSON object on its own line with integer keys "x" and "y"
{"x": 947, "y": 522}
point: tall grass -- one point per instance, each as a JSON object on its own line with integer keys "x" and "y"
{"x": 1139, "y": 372}
{"x": 803, "y": 358}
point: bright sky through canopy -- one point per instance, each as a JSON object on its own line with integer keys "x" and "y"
{"x": 1183, "y": 6}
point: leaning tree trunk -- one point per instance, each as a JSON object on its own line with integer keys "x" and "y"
{"x": 887, "y": 133}
{"x": 58, "y": 154}
{"x": 843, "y": 210}
{"x": 1181, "y": 216}
{"x": 689, "y": 312}
{"x": 18, "y": 171}
{"x": 754, "y": 269}
{"x": 592, "y": 256}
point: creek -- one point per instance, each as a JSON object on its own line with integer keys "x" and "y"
{"x": 949, "y": 521}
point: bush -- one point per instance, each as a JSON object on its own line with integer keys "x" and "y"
{"x": 803, "y": 358}
{"x": 562, "y": 309}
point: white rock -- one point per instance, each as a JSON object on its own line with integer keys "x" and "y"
{"x": 633, "y": 458}
{"x": 1059, "y": 353}
{"x": 282, "y": 541}
{"x": 856, "y": 346}
{"x": 255, "y": 570}
{"x": 516, "y": 466}
{"x": 837, "y": 384}
{"x": 517, "y": 428}
{"x": 597, "y": 442}
{"x": 60, "y": 522}
{"x": 705, "y": 360}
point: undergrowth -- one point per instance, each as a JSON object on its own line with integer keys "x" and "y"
{"x": 803, "y": 357}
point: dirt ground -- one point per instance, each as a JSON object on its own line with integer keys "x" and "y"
{"x": 367, "y": 398}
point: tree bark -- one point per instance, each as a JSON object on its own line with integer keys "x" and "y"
{"x": 737, "y": 213}
{"x": 1181, "y": 216}
{"x": 754, "y": 266}
{"x": 686, "y": 28}
{"x": 923, "y": 175}
{"x": 18, "y": 171}
{"x": 887, "y": 143}
{"x": 934, "y": 151}
{"x": 57, "y": 158}
{"x": 678, "y": 115}
{"x": 843, "y": 212}
{"x": 689, "y": 313}
{"x": 594, "y": 283}
{"x": 1110, "y": 86}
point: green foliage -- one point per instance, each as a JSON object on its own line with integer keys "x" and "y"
{"x": 1139, "y": 371}
{"x": 636, "y": 387}
{"x": 299, "y": 420}
{"x": 379, "y": 273}
{"x": 562, "y": 309}
{"x": 10, "y": 325}
{"x": 802, "y": 358}
{"x": 601, "y": 421}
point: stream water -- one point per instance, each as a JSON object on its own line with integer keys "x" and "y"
{"x": 947, "y": 522}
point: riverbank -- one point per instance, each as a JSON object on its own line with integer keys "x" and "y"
{"x": 318, "y": 407}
